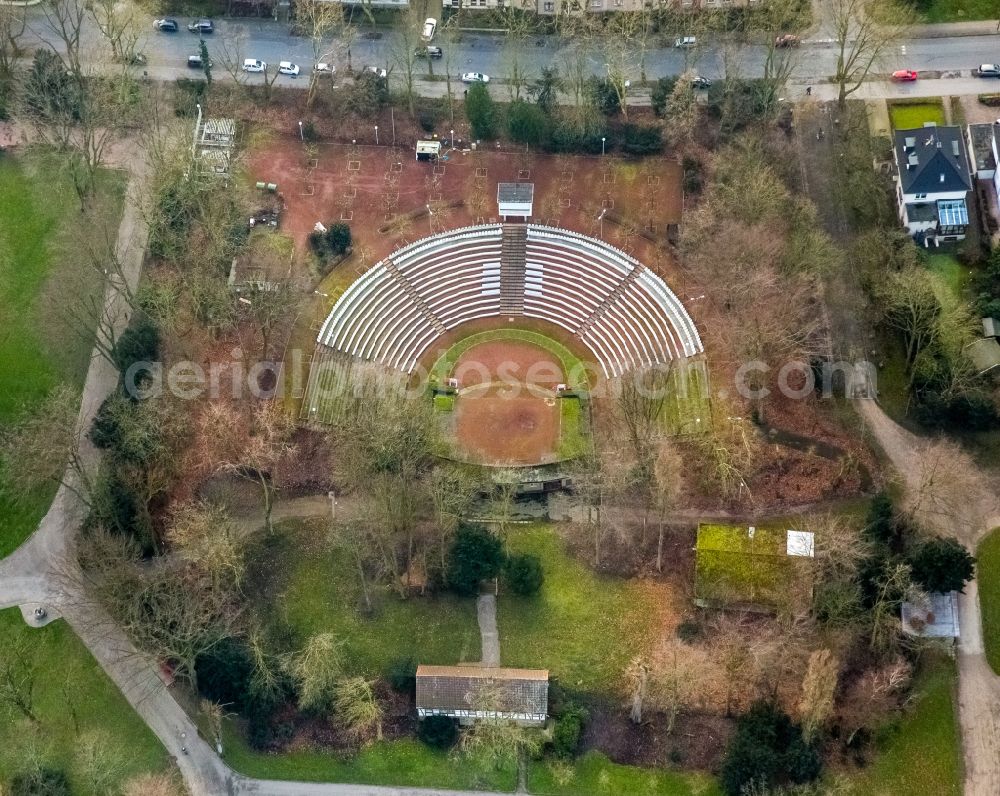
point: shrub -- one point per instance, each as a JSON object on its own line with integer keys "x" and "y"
{"x": 40, "y": 782}
{"x": 524, "y": 574}
{"x": 403, "y": 675}
{"x": 660, "y": 95}
{"x": 439, "y": 732}
{"x": 993, "y": 100}
{"x": 693, "y": 176}
{"x": 475, "y": 555}
{"x": 567, "y": 731}
{"x": 688, "y": 631}
{"x": 224, "y": 674}
{"x": 568, "y": 136}
{"x": 187, "y": 95}
{"x": 368, "y": 94}
{"x": 639, "y": 140}
{"x": 603, "y": 95}
{"x": 941, "y": 565}
{"x": 480, "y": 111}
{"x": 527, "y": 123}
{"x": 767, "y": 750}
{"x": 140, "y": 342}
{"x": 335, "y": 242}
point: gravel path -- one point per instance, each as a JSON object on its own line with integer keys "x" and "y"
{"x": 978, "y": 686}
{"x": 486, "y": 611}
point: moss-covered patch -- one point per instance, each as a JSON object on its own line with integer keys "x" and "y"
{"x": 739, "y": 565}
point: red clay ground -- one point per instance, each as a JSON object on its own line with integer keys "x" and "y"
{"x": 370, "y": 187}
{"x": 509, "y": 423}
{"x": 506, "y": 429}
{"x": 510, "y": 362}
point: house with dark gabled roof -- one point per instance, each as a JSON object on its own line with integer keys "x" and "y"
{"x": 932, "y": 182}
{"x": 469, "y": 692}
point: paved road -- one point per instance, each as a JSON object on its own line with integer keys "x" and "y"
{"x": 486, "y": 613}
{"x": 937, "y": 51}
{"x": 978, "y": 686}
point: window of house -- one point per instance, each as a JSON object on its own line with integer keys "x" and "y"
{"x": 550, "y": 6}
{"x": 921, "y": 196}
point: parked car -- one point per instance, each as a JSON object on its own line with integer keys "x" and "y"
{"x": 195, "y": 62}
{"x": 988, "y": 70}
{"x": 166, "y": 25}
{"x": 201, "y": 26}
{"x": 430, "y": 25}
{"x": 253, "y": 65}
{"x": 324, "y": 69}
{"x": 685, "y": 42}
{"x": 475, "y": 77}
{"x": 429, "y": 52}
{"x": 135, "y": 59}
{"x": 787, "y": 40}
{"x": 904, "y": 75}
{"x": 377, "y": 70}
{"x": 288, "y": 68}
{"x": 699, "y": 82}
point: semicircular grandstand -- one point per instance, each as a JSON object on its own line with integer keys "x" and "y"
{"x": 619, "y": 309}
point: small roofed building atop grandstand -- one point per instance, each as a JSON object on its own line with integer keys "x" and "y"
{"x": 473, "y": 692}
{"x": 515, "y": 199}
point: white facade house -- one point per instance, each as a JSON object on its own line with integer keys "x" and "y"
{"x": 932, "y": 182}
{"x": 984, "y": 154}
{"x": 470, "y": 692}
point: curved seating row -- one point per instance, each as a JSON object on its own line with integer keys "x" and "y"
{"x": 623, "y": 312}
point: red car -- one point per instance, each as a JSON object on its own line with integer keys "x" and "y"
{"x": 904, "y": 75}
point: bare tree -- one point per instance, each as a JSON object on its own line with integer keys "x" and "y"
{"x": 13, "y": 22}
{"x": 818, "y": 689}
{"x": 864, "y": 32}
{"x": 45, "y": 447}
{"x": 152, "y": 785}
{"x": 494, "y": 741}
{"x": 403, "y": 53}
{"x": 17, "y": 679}
{"x": 98, "y": 761}
{"x": 667, "y": 473}
{"x": 948, "y": 492}
{"x": 230, "y": 51}
{"x": 118, "y": 22}
{"x": 637, "y": 677}
{"x": 65, "y": 20}
{"x": 319, "y": 21}
{"x": 248, "y": 442}
{"x": 317, "y": 669}
{"x": 206, "y": 536}
{"x": 357, "y": 709}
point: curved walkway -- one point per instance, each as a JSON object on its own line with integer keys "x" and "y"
{"x": 978, "y": 686}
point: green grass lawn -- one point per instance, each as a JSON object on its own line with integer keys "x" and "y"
{"x": 593, "y": 774}
{"x": 922, "y": 755}
{"x": 949, "y": 274}
{"x": 906, "y": 116}
{"x": 988, "y": 577}
{"x": 42, "y": 238}
{"x": 400, "y": 762}
{"x": 956, "y": 10}
{"x": 584, "y": 628}
{"x": 317, "y": 590}
{"x": 70, "y": 686}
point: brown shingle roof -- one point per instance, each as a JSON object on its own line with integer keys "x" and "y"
{"x": 470, "y": 687}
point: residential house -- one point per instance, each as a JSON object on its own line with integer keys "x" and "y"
{"x": 984, "y": 155}
{"x": 473, "y": 692}
{"x": 932, "y": 182}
